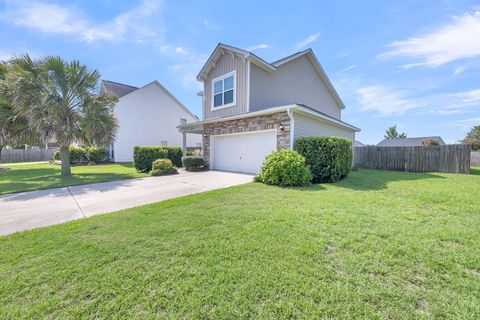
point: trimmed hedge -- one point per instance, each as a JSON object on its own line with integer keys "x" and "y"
{"x": 192, "y": 163}
{"x": 144, "y": 156}
{"x": 83, "y": 155}
{"x": 284, "y": 168}
{"x": 96, "y": 155}
{"x": 329, "y": 158}
{"x": 162, "y": 167}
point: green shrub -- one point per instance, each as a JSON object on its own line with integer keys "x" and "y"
{"x": 194, "y": 152}
{"x": 97, "y": 155}
{"x": 161, "y": 167}
{"x": 174, "y": 154}
{"x": 84, "y": 155}
{"x": 284, "y": 168}
{"x": 193, "y": 163}
{"x": 329, "y": 158}
{"x": 144, "y": 156}
{"x": 77, "y": 155}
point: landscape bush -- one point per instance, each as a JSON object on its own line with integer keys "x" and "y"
{"x": 80, "y": 155}
{"x": 193, "y": 163}
{"x": 144, "y": 156}
{"x": 97, "y": 155}
{"x": 194, "y": 152}
{"x": 329, "y": 158}
{"x": 284, "y": 168}
{"x": 162, "y": 167}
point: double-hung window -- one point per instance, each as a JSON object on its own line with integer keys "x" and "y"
{"x": 224, "y": 91}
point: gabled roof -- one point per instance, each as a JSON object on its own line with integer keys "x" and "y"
{"x": 118, "y": 89}
{"x": 110, "y": 86}
{"x": 221, "y": 49}
{"x": 357, "y": 143}
{"x": 409, "y": 142}
{"x": 271, "y": 67}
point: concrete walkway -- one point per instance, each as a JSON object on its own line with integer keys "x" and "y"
{"x": 29, "y": 210}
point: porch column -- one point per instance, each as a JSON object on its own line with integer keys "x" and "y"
{"x": 184, "y": 147}
{"x": 184, "y": 137}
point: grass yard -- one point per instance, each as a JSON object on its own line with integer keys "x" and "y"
{"x": 378, "y": 245}
{"x": 28, "y": 177}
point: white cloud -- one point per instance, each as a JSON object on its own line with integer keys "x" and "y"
{"x": 467, "y": 124}
{"x": 258, "y": 46}
{"x": 350, "y": 67}
{"x": 186, "y": 63}
{"x": 181, "y": 50}
{"x": 387, "y": 102}
{"x": 45, "y": 17}
{"x": 456, "y": 41}
{"x": 384, "y": 101}
{"x": 6, "y": 55}
{"x": 305, "y": 42}
{"x": 459, "y": 70}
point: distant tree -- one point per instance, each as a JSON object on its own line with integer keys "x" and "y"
{"x": 430, "y": 142}
{"x": 473, "y": 137}
{"x": 392, "y": 133}
{"x": 59, "y": 99}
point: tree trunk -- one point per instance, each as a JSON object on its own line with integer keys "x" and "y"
{"x": 1, "y": 148}
{"x": 65, "y": 157}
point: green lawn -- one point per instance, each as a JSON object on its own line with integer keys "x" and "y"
{"x": 28, "y": 177}
{"x": 378, "y": 245}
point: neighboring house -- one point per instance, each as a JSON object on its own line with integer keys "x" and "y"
{"x": 252, "y": 107}
{"x": 409, "y": 142}
{"x": 358, "y": 144}
{"x": 147, "y": 116}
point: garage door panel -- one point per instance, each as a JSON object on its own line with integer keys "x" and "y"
{"x": 242, "y": 152}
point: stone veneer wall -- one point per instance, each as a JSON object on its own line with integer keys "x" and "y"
{"x": 265, "y": 122}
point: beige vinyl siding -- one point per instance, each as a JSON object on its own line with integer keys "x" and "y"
{"x": 294, "y": 82}
{"x": 227, "y": 63}
{"x": 305, "y": 126}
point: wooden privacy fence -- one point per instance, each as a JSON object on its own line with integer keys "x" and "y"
{"x": 27, "y": 155}
{"x": 448, "y": 158}
{"x": 475, "y": 159}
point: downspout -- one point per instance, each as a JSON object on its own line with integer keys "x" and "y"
{"x": 292, "y": 127}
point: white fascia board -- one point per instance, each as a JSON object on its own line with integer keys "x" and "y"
{"x": 339, "y": 123}
{"x": 288, "y": 108}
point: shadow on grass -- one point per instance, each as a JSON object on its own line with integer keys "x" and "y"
{"x": 366, "y": 179}
{"x": 124, "y": 164}
{"x": 31, "y": 179}
{"x": 475, "y": 171}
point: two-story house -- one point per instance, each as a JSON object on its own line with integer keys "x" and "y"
{"x": 252, "y": 107}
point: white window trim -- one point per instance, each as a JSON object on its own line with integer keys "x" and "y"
{"x": 234, "y": 73}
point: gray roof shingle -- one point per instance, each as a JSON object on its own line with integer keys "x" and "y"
{"x": 118, "y": 89}
{"x": 408, "y": 142}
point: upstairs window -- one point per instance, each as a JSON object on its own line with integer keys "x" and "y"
{"x": 224, "y": 91}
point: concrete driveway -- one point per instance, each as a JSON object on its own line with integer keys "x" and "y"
{"x": 29, "y": 210}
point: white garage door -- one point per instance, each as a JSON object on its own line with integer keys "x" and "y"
{"x": 243, "y": 152}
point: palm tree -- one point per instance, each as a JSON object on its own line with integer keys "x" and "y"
{"x": 60, "y": 102}
{"x": 392, "y": 133}
{"x": 14, "y": 129}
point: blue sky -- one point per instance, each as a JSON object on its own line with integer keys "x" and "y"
{"x": 411, "y": 63}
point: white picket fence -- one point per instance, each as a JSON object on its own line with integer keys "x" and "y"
{"x": 26, "y": 155}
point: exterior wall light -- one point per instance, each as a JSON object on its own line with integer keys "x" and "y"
{"x": 281, "y": 127}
